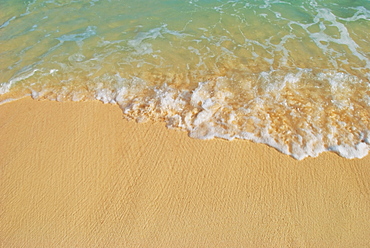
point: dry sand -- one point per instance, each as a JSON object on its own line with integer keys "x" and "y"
{"x": 78, "y": 175}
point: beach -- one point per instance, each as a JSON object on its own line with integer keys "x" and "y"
{"x": 76, "y": 174}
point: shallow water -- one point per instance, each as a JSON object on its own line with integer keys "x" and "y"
{"x": 292, "y": 75}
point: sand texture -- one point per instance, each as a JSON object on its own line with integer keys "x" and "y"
{"x": 79, "y": 175}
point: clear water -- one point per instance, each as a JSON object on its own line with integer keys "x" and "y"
{"x": 292, "y": 74}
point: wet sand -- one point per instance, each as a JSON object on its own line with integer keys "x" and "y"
{"x": 79, "y": 175}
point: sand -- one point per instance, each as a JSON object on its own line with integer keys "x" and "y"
{"x": 79, "y": 175}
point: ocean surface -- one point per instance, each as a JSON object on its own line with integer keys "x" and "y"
{"x": 291, "y": 74}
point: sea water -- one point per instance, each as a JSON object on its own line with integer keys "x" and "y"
{"x": 291, "y": 74}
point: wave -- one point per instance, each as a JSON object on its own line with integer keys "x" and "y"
{"x": 294, "y": 76}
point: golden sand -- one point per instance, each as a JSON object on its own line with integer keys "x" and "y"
{"x": 78, "y": 175}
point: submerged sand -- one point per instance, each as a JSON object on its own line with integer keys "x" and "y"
{"x": 78, "y": 175}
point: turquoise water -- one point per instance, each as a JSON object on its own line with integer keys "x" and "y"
{"x": 291, "y": 74}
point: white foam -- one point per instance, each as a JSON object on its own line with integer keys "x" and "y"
{"x": 4, "y": 88}
{"x": 23, "y": 74}
{"x": 206, "y": 115}
{"x": 90, "y": 31}
{"x": 6, "y": 23}
{"x": 359, "y": 150}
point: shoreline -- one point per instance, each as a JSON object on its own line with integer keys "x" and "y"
{"x": 77, "y": 174}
